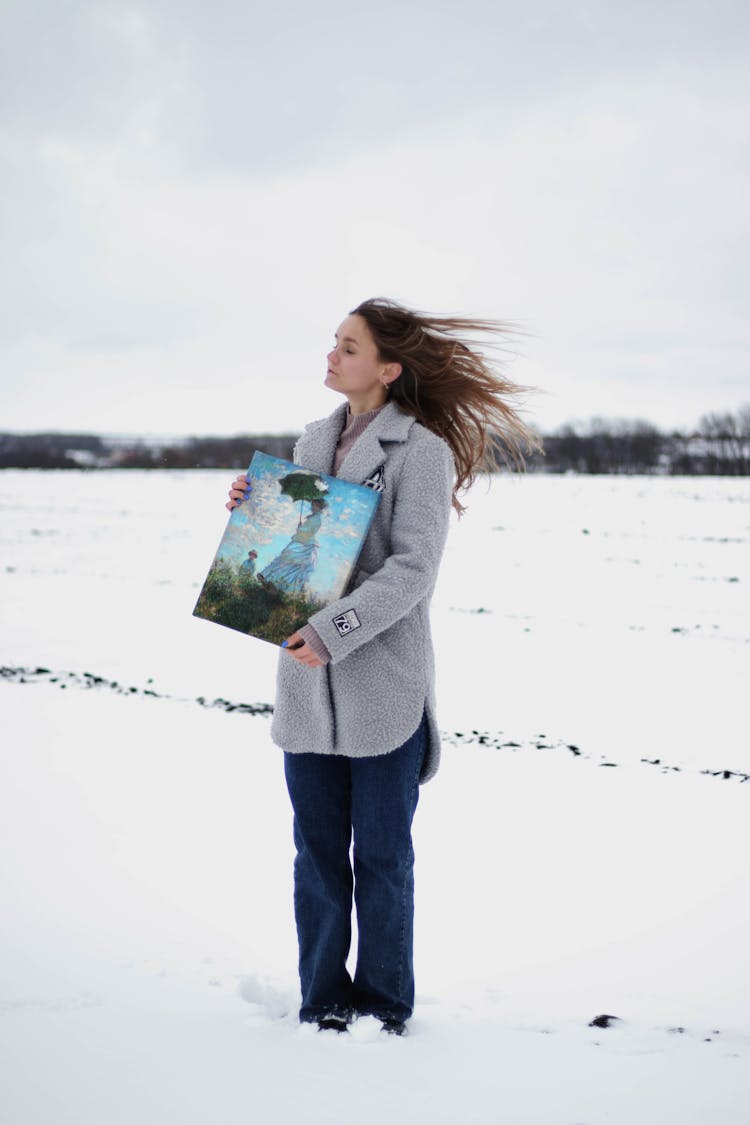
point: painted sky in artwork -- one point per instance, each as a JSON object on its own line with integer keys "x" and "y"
{"x": 268, "y": 519}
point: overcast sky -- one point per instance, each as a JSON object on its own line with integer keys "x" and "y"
{"x": 194, "y": 194}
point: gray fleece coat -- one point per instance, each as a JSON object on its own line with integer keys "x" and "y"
{"x": 369, "y": 699}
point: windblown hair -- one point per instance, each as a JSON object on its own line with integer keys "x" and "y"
{"x": 451, "y": 387}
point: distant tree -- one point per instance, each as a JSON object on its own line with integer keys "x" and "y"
{"x": 677, "y": 455}
{"x": 727, "y": 441}
{"x": 743, "y": 422}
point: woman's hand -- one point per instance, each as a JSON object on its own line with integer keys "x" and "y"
{"x": 301, "y": 651}
{"x": 239, "y": 491}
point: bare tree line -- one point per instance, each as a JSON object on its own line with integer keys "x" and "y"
{"x": 719, "y": 445}
{"x": 88, "y": 451}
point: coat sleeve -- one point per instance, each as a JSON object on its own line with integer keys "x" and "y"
{"x": 419, "y": 528}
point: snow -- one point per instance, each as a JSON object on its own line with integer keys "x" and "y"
{"x": 147, "y": 938}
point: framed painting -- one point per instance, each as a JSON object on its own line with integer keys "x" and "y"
{"x": 288, "y": 550}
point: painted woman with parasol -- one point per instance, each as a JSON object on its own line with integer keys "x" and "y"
{"x": 290, "y": 570}
{"x": 355, "y": 714}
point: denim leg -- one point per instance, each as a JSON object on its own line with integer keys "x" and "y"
{"x": 320, "y": 792}
{"x": 385, "y": 791}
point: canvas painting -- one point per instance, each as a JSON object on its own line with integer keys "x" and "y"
{"x": 288, "y": 550}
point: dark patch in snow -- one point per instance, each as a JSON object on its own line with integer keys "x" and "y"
{"x": 88, "y": 681}
{"x": 463, "y": 609}
{"x": 497, "y": 741}
{"x": 240, "y": 708}
{"x": 605, "y": 1021}
{"x": 727, "y": 774}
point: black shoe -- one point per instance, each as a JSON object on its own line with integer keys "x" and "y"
{"x": 333, "y": 1022}
{"x": 393, "y": 1026}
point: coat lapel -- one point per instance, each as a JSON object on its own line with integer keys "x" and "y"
{"x": 316, "y": 447}
{"x": 370, "y": 449}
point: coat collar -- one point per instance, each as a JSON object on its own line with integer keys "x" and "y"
{"x": 317, "y": 445}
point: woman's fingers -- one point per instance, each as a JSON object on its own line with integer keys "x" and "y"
{"x": 306, "y": 655}
{"x": 235, "y": 497}
{"x": 239, "y": 491}
{"x": 301, "y": 651}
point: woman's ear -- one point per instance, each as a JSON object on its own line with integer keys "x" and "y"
{"x": 391, "y": 372}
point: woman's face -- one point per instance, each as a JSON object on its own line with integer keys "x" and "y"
{"x": 354, "y": 366}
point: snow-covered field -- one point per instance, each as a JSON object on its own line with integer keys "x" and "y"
{"x": 583, "y": 851}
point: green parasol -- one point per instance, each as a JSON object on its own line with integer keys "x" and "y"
{"x": 303, "y": 486}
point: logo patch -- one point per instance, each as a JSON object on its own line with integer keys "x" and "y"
{"x": 345, "y": 622}
{"x": 377, "y": 480}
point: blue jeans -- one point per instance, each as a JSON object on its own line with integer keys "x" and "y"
{"x": 373, "y": 799}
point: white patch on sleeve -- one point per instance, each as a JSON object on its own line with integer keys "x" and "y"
{"x": 347, "y": 621}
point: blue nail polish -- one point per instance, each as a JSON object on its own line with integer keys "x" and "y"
{"x": 283, "y": 644}
{"x": 246, "y": 495}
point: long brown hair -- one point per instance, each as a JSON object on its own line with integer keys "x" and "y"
{"x": 451, "y": 387}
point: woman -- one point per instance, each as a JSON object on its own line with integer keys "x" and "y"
{"x": 290, "y": 570}
{"x": 355, "y": 710}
